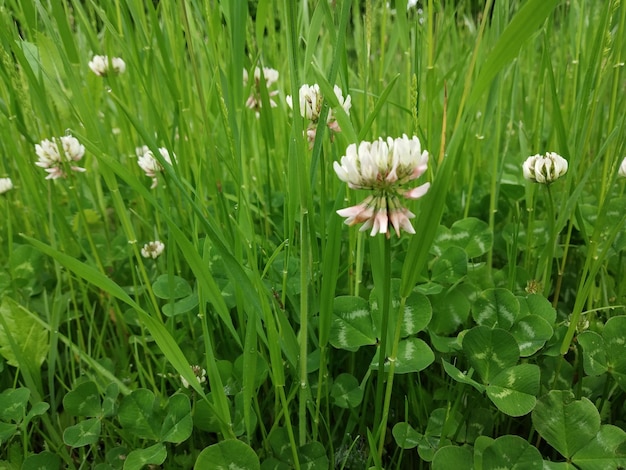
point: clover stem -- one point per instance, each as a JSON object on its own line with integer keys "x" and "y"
{"x": 392, "y": 368}
{"x": 382, "y": 352}
{"x": 549, "y": 253}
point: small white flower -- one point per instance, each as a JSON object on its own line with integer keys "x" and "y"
{"x": 5, "y": 185}
{"x": 149, "y": 164}
{"x": 100, "y": 65}
{"x": 383, "y": 167}
{"x": 544, "y": 168}
{"x": 622, "y": 169}
{"x": 270, "y": 76}
{"x": 72, "y": 147}
{"x": 52, "y": 159}
{"x": 152, "y": 249}
{"x": 311, "y": 101}
{"x": 346, "y": 103}
{"x": 200, "y": 374}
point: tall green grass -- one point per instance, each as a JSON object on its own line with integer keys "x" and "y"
{"x": 247, "y": 210}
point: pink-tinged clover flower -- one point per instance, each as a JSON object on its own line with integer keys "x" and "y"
{"x": 383, "y": 167}
{"x": 149, "y": 164}
{"x": 101, "y": 67}
{"x": 311, "y": 101}
{"x": 254, "y": 100}
{"x": 544, "y": 168}
{"x": 53, "y": 159}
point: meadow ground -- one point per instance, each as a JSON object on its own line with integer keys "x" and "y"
{"x": 179, "y": 288}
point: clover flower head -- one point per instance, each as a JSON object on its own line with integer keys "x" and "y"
{"x": 270, "y": 76}
{"x": 382, "y": 167}
{"x": 52, "y": 158}
{"x": 200, "y": 374}
{"x": 622, "y": 169}
{"x": 6, "y": 185}
{"x": 149, "y": 164}
{"x": 311, "y": 100}
{"x": 99, "y": 65}
{"x": 544, "y": 168}
{"x": 345, "y": 103}
{"x": 152, "y": 249}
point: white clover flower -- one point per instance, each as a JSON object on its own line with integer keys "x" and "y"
{"x": 544, "y": 168}
{"x": 383, "y": 167}
{"x": 152, "y": 249}
{"x": 346, "y": 104}
{"x": 622, "y": 169}
{"x": 6, "y": 185}
{"x": 72, "y": 147}
{"x": 149, "y": 164}
{"x": 100, "y": 65}
{"x": 311, "y": 101}
{"x": 52, "y": 159}
{"x": 270, "y": 76}
{"x": 200, "y": 374}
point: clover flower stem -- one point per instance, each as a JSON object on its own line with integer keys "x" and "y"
{"x": 496, "y": 163}
{"x": 303, "y": 337}
{"x": 559, "y": 279}
{"x": 358, "y": 264}
{"x": 593, "y": 263}
{"x": 379, "y": 421}
{"x": 392, "y": 369}
{"x": 322, "y": 206}
{"x": 292, "y": 438}
{"x": 83, "y": 221}
{"x": 530, "y": 207}
{"x": 322, "y": 388}
{"x": 549, "y": 253}
{"x": 129, "y": 232}
{"x": 220, "y": 401}
{"x": 9, "y": 238}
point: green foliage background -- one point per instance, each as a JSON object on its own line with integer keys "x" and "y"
{"x": 491, "y": 337}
